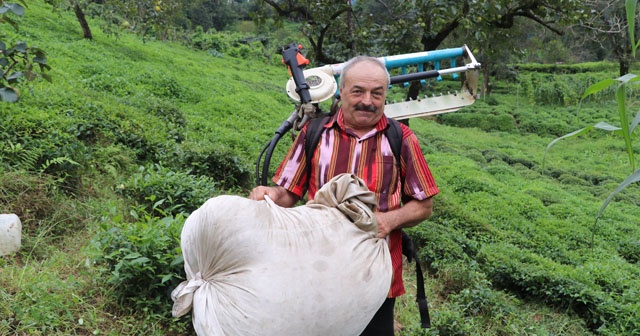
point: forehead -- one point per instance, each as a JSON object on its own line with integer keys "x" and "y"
{"x": 366, "y": 73}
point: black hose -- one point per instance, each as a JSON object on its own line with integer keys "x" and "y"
{"x": 282, "y": 130}
{"x": 258, "y": 176}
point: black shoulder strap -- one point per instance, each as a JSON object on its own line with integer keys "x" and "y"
{"x": 312, "y": 137}
{"x": 408, "y": 249}
{"x": 394, "y": 136}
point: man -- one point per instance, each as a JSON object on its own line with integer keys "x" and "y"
{"x": 353, "y": 141}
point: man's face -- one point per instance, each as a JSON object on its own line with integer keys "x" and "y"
{"x": 363, "y": 96}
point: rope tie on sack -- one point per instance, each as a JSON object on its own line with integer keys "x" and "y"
{"x": 182, "y": 295}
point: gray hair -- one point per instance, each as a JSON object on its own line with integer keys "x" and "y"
{"x": 358, "y": 59}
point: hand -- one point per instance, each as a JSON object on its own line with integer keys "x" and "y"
{"x": 384, "y": 227}
{"x": 258, "y": 193}
{"x": 412, "y": 213}
{"x": 277, "y": 194}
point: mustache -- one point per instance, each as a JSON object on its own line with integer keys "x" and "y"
{"x": 363, "y": 107}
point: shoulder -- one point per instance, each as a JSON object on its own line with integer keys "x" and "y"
{"x": 406, "y": 131}
{"x": 403, "y": 128}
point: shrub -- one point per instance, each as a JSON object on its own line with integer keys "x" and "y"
{"x": 452, "y": 323}
{"x": 568, "y": 68}
{"x": 485, "y": 122}
{"x": 219, "y": 163}
{"x": 458, "y": 276}
{"x": 165, "y": 86}
{"x": 537, "y": 277}
{"x": 480, "y": 300}
{"x": 630, "y": 250}
{"x": 174, "y": 118}
{"x": 141, "y": 260}
{"x": 155, "y": 185}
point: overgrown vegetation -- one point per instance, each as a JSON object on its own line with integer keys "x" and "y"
{"x": 19, "y": 62}
{"x": 104, "y": 165}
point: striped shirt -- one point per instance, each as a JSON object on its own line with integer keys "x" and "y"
{"x": 370, "y": 157}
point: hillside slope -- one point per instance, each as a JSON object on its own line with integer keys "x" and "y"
{"x": 131, "y": 136}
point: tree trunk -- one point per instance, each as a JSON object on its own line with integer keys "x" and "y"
{"x": 625, "y": 66}
{"x": 353, "y": 47}
{"x": 486, "y": 83}
{"x": 86, "y": 31}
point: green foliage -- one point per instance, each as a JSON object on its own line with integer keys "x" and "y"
{"x": 241, "y": 45}
{"x": 337, "y": 31}
{"x": 485, "y": 122}
{"x": 18, "y": 61}
{"x": 219, "y": 163}
{"x": 487, "y": 204}
{"x": 562, "y": 89}
{"x": 630, "y": 250}
{"x": 30, "y": 196}
{"x": 149, "y": 19}
{"x": 626, "y": 127}
{"x": 182, "y": 114}
{"x": 582, "y": 290}
{"x": 54, "y": 153}
{"x": 177, "y": 192}
{"x": 215, "y": 14}
{"x": 140, "y": 259}
{"x": 568, "y": 68}
{"x": 50, "y": 303}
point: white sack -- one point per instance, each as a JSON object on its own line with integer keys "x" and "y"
{"x": 254, "y": 268}
{"x": 10, "y": 234}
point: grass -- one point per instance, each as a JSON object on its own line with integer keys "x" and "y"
{"x": 510, "y": 248}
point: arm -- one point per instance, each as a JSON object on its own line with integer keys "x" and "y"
{"x": 278, "y": 194}
{"x": 411, "y": 214}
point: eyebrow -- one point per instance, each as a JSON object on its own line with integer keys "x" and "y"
{"x": 381, "y": 87}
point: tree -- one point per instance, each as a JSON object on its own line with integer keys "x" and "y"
{"x": 398, "y": 26}
{"x": 217, "y": 14}
{"x": 488, "y": 26}
{"x": 148, "y": 18}
{"x": 324, "y": 24}
{"x": 606, "y": 25}
{"x": 78, "y": 10}
{"x": 86, "y": 30}
{"x": 18, "y": 62}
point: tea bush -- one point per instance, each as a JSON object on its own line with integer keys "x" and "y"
{"x": 485, "y": 122}
{"x": 537, "y": 277}
{"x": 234, "y": 44}
{"x": 177, "y": 192}
{"x": 220, "y": 163}
{"x": 442, "y": 243}
{"x": 555, "y": 69}
{"x": 453, "y": 323}
{"x": 630, "y": 250}
{"x": 164, "y": 86}
{"x": 173, "y": 117}
{"x": 140, "y": 259}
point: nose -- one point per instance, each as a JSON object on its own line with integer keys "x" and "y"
{"x": 366, "y": 98}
